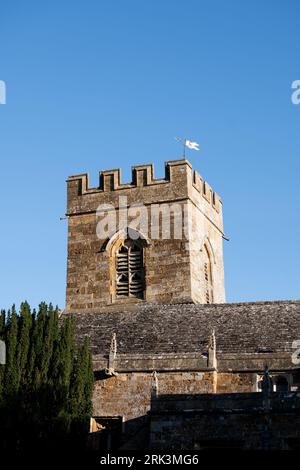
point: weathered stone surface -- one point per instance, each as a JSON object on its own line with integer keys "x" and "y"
{"x": 173, "y": 263}
{"x": 239, "y": 420}
{"x": 129, "y": 394}
{"x": 207, "y": 360}
{"x": 173, "y": 340}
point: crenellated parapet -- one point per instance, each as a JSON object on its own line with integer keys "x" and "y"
{"x": 179, "y": 180}
{"x": 142, "y": 175}
{"x": 206, "y": 191}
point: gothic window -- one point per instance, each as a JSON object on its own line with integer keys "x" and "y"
{"x": 129, "y": 270}
{"x": 207, "y": 272}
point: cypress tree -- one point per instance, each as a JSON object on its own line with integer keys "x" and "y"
{"x": 2, "y": 337}
{"x": 50, "y": 333}
{"x": 76, "y": 402}
{"x": 2, "y": 323}
{"x": 88, "y": 378}
{"x": 11, "y": 375}
{"x": 28, "y": 373}
{"x": 67, "y": 351}
{"x": 47, "y": 380}
{"x": 39, "y": 336}
{"x": 25, "y": 321}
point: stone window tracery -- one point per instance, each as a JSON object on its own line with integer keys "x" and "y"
{"x": 129, "y": 270}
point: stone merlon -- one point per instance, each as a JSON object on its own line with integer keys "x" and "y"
{"x": 180, "y": 181}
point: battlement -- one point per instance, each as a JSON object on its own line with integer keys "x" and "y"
{"x": 177, "y": 173}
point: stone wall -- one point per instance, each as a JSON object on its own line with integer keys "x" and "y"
{"x": 129, "y": 394}
{"x": 205, "y": 235}
{"x": 173, "y": 267}
{"x": 236, "y": 382}
{"x": 246, "y": 421}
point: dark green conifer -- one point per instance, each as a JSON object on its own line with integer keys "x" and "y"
{"x": 46, "y": 385}
{"x": 11, "y": 374}
{"x": 23, "y": 346}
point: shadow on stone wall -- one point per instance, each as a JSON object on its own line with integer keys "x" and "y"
{"x": 248, "y": 421}
{"x": 114, "y": 434}
{"x": 267, "y": 421}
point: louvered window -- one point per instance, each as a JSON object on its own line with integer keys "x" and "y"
{"x": 129, "y": 271}
{"x": 208, "y": 279}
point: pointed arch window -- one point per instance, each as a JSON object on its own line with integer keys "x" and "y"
{"x": 208, "y": 280}
{"x": 129, "y": 270}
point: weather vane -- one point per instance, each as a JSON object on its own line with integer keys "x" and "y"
{"x": 187, "y": 144}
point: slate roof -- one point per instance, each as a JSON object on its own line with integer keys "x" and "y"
{"x": 185, "y": 328}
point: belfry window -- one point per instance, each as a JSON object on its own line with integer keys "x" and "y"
{"x": 208, "y": 281}
{"x": 129, "y": 270}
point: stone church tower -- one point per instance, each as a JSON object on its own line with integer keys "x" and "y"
{"x": 152, "y": 240}
{"x": 175, "y": 366}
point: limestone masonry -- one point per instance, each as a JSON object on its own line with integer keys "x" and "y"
{"x": 173, "y": 267}
{"x": 175, "y": 366}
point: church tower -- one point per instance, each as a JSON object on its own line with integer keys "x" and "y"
{"x": 152, "y": 240}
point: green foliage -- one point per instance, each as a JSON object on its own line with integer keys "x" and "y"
{"x": 11, "y": 373}
{"x": 46, "y": 385}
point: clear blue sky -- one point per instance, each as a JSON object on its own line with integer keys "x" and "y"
{"x": 101, "y": 84}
